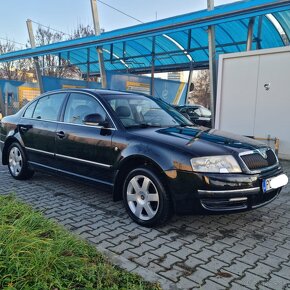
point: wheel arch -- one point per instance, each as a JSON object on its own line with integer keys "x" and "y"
{"x": 127, "y": 165}
{"x": 7, "y": 144}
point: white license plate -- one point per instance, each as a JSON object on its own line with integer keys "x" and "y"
{"x": 274, "y": 182}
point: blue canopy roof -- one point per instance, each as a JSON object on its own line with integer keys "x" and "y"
{"x": 175, "y": 42}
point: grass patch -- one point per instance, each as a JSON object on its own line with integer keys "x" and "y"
{"x": 36, "y": 253}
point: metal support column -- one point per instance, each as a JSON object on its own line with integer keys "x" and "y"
{"x": 88, "y": 65}
{"x": 212, "y": 65}
{"x": 99, "y": 48}
{"x": 36, "y": 61}
{"x": 189, "y": 82}
{"x": 250, "y": 34}
{"x": 152, "y": 67}
{"x": 260, "y": 27}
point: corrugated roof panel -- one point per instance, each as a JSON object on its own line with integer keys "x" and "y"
{"x": 284, "y": 19}
{"x": 171, "y": 36}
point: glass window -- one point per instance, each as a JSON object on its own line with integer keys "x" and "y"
{"x": 29, "y": 111}
{"x": 205, "y": 112}
{"x": 81, "y": 105}
{"x": 141, "y": 111}
{"x": 48, "y": 107}
{"x": 194, "y": 112}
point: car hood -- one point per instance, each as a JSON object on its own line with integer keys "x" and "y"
{"x": 199, "y": 141}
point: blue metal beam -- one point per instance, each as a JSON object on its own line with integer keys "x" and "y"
{"x": 224, "y": 14}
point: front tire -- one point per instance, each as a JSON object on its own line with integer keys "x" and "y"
{"x": 145, "y": 198}
{"x": 17, "y": 163}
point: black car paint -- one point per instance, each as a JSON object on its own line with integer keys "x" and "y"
{"x": 168, "y": 150}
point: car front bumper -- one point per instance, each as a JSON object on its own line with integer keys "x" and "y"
{"x": 219, "y": 193}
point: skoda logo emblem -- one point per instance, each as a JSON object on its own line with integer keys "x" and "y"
{"x": 263, "y": 153}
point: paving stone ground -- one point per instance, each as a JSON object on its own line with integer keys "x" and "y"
{"x": 239, "y": 251}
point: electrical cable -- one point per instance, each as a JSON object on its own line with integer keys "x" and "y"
{"x": 122, "y": 12}
{"x": 9, "y": 40}
{"x": 50, "y": 28}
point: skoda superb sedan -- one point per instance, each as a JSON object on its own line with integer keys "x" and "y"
{"x": 150, "y": 155}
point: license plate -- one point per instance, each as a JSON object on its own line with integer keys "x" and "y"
{"x": 274, "y": 182}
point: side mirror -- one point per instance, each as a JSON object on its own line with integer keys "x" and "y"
{"x": 95, "y": 120}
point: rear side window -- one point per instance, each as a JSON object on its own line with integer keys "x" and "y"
{"x": 29, "y": 111}
{"x": 48, "y": 107}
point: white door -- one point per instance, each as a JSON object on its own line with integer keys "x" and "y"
{"x": 273, "y": 100}
{"x": 238, "y": 95}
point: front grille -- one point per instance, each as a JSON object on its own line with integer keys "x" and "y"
{"x": 256, "y": 161}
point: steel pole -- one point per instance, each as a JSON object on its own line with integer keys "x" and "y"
{"x": 189, "y": 82}
{"x": 36, "y": 61}
{"x": 99, "y": 48}
{"x": 250, "y": 34}
{"x": 212, "y": 64}
{"x": 152, "y": 68}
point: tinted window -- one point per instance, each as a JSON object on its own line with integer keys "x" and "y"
{"x": 80, "y": 105}
{"x": 194, "y": 112}
{"x": 48, "y": 107}
{"x": 138, "y": 110}
{"x": 205, "y": 112}
{"x": 29, "y": 111}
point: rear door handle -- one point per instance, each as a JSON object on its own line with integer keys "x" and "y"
{"x": 60, "y": 134}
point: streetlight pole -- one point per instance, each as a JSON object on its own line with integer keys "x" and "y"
{"x": 99, "y": 48}
{"x": 36, "y": 61}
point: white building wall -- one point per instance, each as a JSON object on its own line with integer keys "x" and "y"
{"x": 254, "y": 95}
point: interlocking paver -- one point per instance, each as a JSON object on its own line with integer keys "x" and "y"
{"x": 240, "y": 251}
{"x": 275, "y": 282}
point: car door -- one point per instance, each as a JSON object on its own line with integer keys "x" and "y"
{"x": 38, "y": 128}
{"x": 85, "y": 150}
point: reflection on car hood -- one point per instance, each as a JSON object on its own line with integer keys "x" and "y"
{"x": 199, "y": 140}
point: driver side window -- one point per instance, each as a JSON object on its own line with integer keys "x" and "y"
{"x": 81, "y": 105}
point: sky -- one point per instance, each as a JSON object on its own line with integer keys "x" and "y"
{"x": 65, "y": 15}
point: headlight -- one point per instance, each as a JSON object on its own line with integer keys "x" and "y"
{"x": 216, "y": 164}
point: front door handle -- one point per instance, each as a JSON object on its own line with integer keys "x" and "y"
{"x": 60, "y": 134}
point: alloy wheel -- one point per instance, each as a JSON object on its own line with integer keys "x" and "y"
{"x": 15, "y": 161}
{"x": 142, "y": 197}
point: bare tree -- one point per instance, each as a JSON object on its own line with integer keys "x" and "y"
{"x": 82, "y": 31}
{"x": 15, "y": 70}
{"x": 52, "y": 65}
{"x": 201, "y": 93}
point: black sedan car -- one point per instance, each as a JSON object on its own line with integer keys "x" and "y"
{"x": 197, "y": 114}
{"x": 150, "y": 155}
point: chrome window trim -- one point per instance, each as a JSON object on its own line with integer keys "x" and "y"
{"x": 82, "y": 125}
{"x": 80, "y": 92}
{"x": 88, "y": 126}
{"x": 89, "y": 94}
{"x": 257, "y": 151}
{"x": 84, "y": 161}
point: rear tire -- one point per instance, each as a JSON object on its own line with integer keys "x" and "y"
{"x": 145, "y": 198}
{"x": 17, "y": 163}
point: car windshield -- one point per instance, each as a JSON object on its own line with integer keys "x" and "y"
{"x": 141, "y": 111}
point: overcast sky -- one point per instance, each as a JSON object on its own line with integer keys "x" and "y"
{"x": 65, "y": 15}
